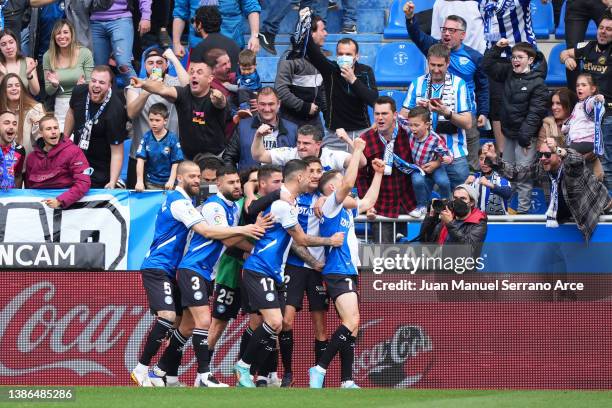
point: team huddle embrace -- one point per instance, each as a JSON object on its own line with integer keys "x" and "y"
{"x": 268, "y": 237}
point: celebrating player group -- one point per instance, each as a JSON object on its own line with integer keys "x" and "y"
{"x": 268, "y": 237}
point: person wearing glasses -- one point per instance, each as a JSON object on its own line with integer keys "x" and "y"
{"x": 575, "y": 192}
{"x": 465, "y": 62}
{"x": 523, "y": 106}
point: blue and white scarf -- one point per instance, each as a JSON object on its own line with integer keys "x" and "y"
{"x": 598, "y": 113}
{"x": 391, "y": 159}
{"x": 553, "y": 206}
{"x": 491, "y": 9}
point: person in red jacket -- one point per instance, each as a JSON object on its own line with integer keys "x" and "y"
{"x": 56, "y": 162}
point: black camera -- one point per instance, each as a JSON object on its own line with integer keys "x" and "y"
{"x": 206, "y": 190}
{"x": 439, "y": 204}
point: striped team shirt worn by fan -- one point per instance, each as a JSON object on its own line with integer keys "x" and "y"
{"x": 512, "y": 20}
{"x": 457, "y": 142}
{"x": 428, "y": 149}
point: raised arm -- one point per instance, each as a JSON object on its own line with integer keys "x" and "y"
{"x": 369, "y": 199}
{"x": 302, "y": 239}
{"x": 156, "y": 87}
{"x": 348, "y": 181}
{"x": 258, "y": 151}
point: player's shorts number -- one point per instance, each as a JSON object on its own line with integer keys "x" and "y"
{"x": 267, "y": 282}
{"x": 286, "y": 279}
{"x": 195, "y": 283}
{"x": 167, "y": 288}
{"x": 350, "y": 283}
{"x": 227, "y": 294}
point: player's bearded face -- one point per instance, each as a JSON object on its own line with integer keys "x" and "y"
{"x": 190, "y": 182}
{"x": 230, "y": 187}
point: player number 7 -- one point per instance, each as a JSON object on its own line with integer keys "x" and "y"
{"x": 350, "y": 283}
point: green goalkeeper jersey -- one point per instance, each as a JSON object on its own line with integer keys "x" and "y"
{"x": 230, "y": 263}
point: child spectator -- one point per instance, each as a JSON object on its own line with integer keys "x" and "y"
{"x": 159, "y": 153}
{"x": 524, "y": 103}
{"x": 581, "y": 126}
{"x": 494, "y": 191}
{"x": 428, "y": 149}
{"x": 247, "y": 85}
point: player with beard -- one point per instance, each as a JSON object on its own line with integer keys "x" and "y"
{"x": 263, "y": 270}
{"x": 303, "y": 274}
{"x": 340, "y": 271}
{"x": 176, "y": 217}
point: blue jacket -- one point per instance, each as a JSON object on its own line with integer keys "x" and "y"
{"x": 233, "y": 13}
{"x": 464, "y": 62}
{"x": 238, "y": 150}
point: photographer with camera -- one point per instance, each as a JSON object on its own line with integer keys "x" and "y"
{"x": 457, "y": 221}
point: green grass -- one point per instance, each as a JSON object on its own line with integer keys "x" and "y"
{"x": 111, "y": 397}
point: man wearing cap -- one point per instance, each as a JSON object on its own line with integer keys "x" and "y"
{"x": 139, "y": 101}
{"x": 460, "y": 222}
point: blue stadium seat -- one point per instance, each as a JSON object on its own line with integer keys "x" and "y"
{"x": 397, "y": 21}
{"x": 397, "y": 95}
{"x": 538, "y": 202}
{"x": 542, "y": 19}
{"x": 591, "y": 32}
{"x": 266, "y": 66}
{"x": 398, "y": 63}
{"x": 127, "y": 145}
{"x": 556, "y": 70}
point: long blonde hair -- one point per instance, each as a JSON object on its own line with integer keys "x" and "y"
{"x": 26, "y": 102}
{"x": 54, "y": 49}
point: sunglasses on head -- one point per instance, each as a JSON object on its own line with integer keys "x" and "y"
{"x": 545, "y": 155}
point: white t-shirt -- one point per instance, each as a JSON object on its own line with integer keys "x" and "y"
{"x": 474, "y": 37}
{"x": 330, "y": 159}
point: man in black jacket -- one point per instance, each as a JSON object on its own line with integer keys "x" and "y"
{"x": 350, "y": 87}
{"x": 300, "y": 85}
{"x": 523, "y": 105}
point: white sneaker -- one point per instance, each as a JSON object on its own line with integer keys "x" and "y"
{"x": 349, "y": 384}
{"x": 156, "y": 376}
{"x": 208, "y": 380}
{"x": 273, "y": 380}
{"x": 141, "y": 378}
{"x": 418, "y": 212}
{"x": 176, "y": 384}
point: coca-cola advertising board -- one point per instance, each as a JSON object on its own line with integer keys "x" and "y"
{"x": 87, "y": 328}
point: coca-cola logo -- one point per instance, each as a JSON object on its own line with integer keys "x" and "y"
{"x": 83, "y": 339}
{"x": 385, "y": 363}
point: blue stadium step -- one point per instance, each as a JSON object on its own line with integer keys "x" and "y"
{"x": 396, "y": 28}
{"x": 556, "y": 70}
{"x": 542, "y": 19}
{"x": 368, "y": 21}
{"x": 367, "y": 50}
{"x": 333, "y": 38}
{"x": 591, "y": 32}
{"x": 538, "y": 202}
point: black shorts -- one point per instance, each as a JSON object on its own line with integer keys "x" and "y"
{"x": 226, "y": 302}
{"x": 496, "y": 99}
{"x": 263, "y": 291}
{"x": 195, "y": 289}
{"x": 298, "y": 280}
{"x": 337, "y": 285}
{"x": 162, "y": 291}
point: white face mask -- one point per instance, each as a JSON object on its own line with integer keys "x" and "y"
{"x": 344, "y": 60}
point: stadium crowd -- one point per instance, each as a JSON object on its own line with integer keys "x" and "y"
{"x": 71, "y": 95}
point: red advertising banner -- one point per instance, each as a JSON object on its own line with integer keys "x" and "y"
{"x": 87, "y": 328}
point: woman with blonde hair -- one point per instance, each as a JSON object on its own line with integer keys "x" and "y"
{"x": 66, "y": 64}
{"x": 13, "y": 61}
{"x": 14, "y": 97}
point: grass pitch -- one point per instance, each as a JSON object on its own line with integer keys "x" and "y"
{"x": 110, "y": 397}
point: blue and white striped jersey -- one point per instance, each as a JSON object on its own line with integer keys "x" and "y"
{"x": 310, "y": 224}
{"x": 344, "y": 259}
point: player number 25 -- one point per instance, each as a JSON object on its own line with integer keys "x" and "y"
{"x": 227, "y": 294}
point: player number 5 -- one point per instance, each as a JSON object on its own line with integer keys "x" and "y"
{"x": 167, "y": 288}
{"x": 228, "y": 295}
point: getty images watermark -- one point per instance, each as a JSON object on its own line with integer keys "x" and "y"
{"x": 456, "y": 267}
